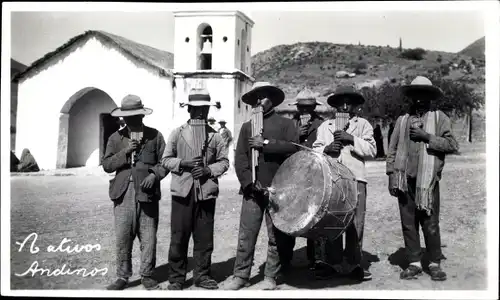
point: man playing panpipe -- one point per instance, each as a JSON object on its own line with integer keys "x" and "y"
{"x": 273, "y": 145}
{"x": 134, "y": 153}
{"x": 351, "y": 142}
{"x": 415, "y": 161}
{"x": 307, "y": 121}
{"x": 196, "y": 156}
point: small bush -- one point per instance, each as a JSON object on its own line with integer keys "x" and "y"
{"x": 414, "y": 54}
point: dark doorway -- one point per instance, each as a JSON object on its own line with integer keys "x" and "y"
{"x": 108, "y": 126}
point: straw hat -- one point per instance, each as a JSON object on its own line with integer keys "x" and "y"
{"x": 264, "y": 89}
{"x": 199, "y": 97}
{"x": 131, "y": 106}
{"x": 306, "y": 97}
{"x": 350, "y": 92}
{"x": 423, "y": 85}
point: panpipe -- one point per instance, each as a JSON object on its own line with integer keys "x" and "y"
{"x": 135, "y": 135}
{"x": 199, "y": 130}
{"x": 304, "y": 119}
{"x": 257, "y": 122}
{"x": 341, "y": 121}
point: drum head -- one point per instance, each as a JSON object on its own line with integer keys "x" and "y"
{"x": 297, "y": 192}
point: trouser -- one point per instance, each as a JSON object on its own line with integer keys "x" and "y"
{"x": 288, "y": 255}
{"x": 334, "y": 249}
{"x": 133, "y": 218}
{"x": 411, "y": 217}
{"x": 189, "y": 216}
{"x": 252, "y": 213}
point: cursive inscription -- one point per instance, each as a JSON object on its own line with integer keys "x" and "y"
{"x": 64, "y": 246}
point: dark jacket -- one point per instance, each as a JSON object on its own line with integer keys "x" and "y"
{"x": 279, "y": 131}
{"x": 148, "y": 161}
{"x": 309, "y": 139}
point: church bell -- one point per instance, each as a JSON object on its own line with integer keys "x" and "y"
{"x": 207, "y": 47}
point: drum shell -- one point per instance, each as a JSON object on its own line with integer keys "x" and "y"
{"x": 337, "y": 200}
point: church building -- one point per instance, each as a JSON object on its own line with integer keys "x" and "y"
{"x": 65, "y": 98}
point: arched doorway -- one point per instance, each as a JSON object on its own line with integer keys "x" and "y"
{"x": 84, "y": 128}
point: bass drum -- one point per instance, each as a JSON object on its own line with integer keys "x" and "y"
{"x": 312, "y": 195}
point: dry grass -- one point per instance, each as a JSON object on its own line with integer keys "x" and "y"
{"x": 77, "y": 207}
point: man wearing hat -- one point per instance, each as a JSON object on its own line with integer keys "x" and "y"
{"x": 351, "y": 147}
{"x": 225, "y": 133}
{"x": 415, "y": 161}
{"x": 274, "y": 146}
{"x": 306, "y": 105}
{"x": 193, "y": 209}
{"x": 211, "y": 122}
{"x": 135, "y": 190}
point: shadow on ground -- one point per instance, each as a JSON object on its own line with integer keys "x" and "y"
{"x": 398, "y": 258}
{"x": 300, "y": 276}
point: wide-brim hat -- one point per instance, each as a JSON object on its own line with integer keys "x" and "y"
{"x": 349, "y": 92}
{"x": 422, "y": 85}
{"x": 199, "y": 97}
{"x": 131, "y": 106}
{"x": 261, "y": 90}
{"x": 211, "y": 119}
{"x": 222, "y": 121}
{"x": 306, "y": 97}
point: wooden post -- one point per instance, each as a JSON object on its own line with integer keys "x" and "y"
{"x": 469, "y": 137}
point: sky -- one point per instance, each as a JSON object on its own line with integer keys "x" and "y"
{"x": 33, "y": 34}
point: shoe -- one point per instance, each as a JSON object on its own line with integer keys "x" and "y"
{"x": 149, "y": 283}
{"x": 207, "y": 283}
{"x": 269, "y": 284}
{"x": 237, "y": 283}
{"x": 437, "y": 274}
{"x": 176, "y": 286}
{"x": 360, "y": 274}
{"x": 118, "y": 285}
{"x": 412, "y": 272}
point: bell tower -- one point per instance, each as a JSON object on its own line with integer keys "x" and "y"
{"x": 212, "y": 49}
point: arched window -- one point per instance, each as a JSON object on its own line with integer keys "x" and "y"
{"x": 205, "y": 47}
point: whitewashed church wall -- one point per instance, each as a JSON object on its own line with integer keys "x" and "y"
{"x": 93, "y": 65}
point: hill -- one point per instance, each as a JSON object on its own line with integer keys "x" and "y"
{"x": 319, "y": 65}
{"x": 476, "y": 49}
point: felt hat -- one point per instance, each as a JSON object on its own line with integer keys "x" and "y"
{"x": 306, "y": 97}
{"x": 131, "y": 106}
{"x": 199, "y": 97}
{"x": 421, "y": 85}
{"x": 222, "y": 121}
{"x": 264, "y": 89}
{"x": 211, "y": 119}
{"x": 348, "y": 91}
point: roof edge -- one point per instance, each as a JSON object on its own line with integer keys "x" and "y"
{"x": 214, "y": 13}
{"x": 39, "y": 63}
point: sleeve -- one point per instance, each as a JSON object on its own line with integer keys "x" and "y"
{"x": 221, "y": 164}
{"x": 392, "y": 147}
{"x": 158, "y": 169}
{"x": 241, "y": 159}
{"x": 320, "y": 142}
{"x": 285, "y": 146}
{"x": 444, "y": 142}
{"x": 114, "y": 158}
{"x": 169, "y": 160}
{"x": 365, "y": 145}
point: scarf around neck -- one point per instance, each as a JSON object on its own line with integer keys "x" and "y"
{"x": 427, "y": 164}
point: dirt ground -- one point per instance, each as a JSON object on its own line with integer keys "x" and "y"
{"x": 78, "y": 208}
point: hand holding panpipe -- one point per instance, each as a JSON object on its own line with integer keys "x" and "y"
{"x": 135, "y": 136}
{"x": 199, "y": 144}
{"x": 257, "y": 124}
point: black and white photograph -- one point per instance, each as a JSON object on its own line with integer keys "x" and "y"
{"x": 248, "y": 149}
